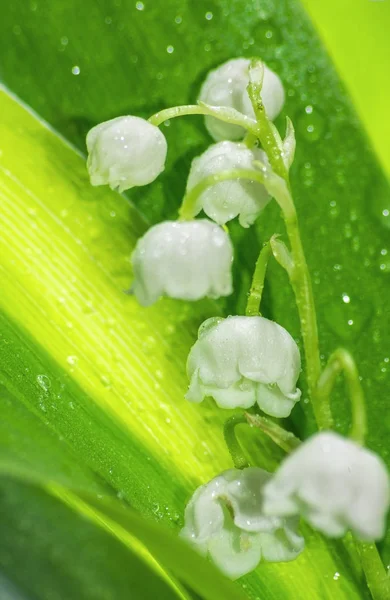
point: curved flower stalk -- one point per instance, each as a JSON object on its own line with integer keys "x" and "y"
{"x": 184, "y": 260}
{"x": 125, "y": 152}
{"x": 239, "y": 361}
{"x": 225, "y": 521}
{"x": 335, "y": 484}
{"x": 228, "y": 199}
{"x": 227, "y": 86}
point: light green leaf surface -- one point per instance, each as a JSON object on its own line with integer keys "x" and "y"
{"x": 355, "y": 33}
{"x": 82, "y": 363}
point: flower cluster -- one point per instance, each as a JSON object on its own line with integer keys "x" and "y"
{"x": 241, "y": 517}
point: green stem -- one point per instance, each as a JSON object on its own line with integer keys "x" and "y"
{"x": 378, "y": 580}
{"x": 285, "y": 439}
{"x": 376, "y": 577}
{"x": 250, "y": 140}
{"x": 266, "y": 132}
{"x": 229, "y": 115}
{"x": 299, "y": 273}
{"x": 229, "y": 432}
{"x": 341, "y": 361}
{"x": 301, "y": 284}
{"x": 256, "y": 291}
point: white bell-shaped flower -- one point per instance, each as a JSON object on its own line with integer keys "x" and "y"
{"x": 225, "y": 200}
{"x": 125, "y": 152}
{"x": 335, "y": 484}
{"x": 242, "y": 360}
{"x": 226, "y": 86}
{"x": 187, "y": 260}
{"x": 224, "y": 520}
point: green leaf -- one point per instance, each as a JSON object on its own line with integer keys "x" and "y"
{"x": 104, "y": 377}
{"x": 44, "y": 497}
{"x": 47, "y": 550}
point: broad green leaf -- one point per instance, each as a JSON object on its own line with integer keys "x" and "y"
{"x": 49, "y": 551}
{"x": 107, "y": 377}
{"x": 44, "y": 498}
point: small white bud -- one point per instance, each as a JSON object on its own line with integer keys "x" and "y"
{"x": 239, "y": 361}
{"x": 225, "y": 200}
{"x": 224, "y": 520}
{"x": 187, "y": 260}
{"x": 125, "y": 152}
{"x": 226, "y": 86}
{"x": 335, "y": 484}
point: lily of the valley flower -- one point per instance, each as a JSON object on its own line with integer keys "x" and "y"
{"x": 125, "y": 152}
{"x": 226, "y": 86}
{"x": 227, "y": 199}
{"x": 335, "y": 484}
{"x": 186, "y": 260}
{"x": 224, "y": 520}
{"x": 242, "y": 360}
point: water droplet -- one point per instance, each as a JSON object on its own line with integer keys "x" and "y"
{"x": 178, "y": 19}
{"x": 207, "y": 325}
{"x": 76, "y": 70}
{"x": 202, "y": 452}
{"x": 72, "y": 360}
{"x": 336, "y": 576}
{"x": 149, "y": 343}
{"x": 170, "y": 49}
{"x": 310, "y": 123}
{"x": 106, "y": 381}
{"x": 378, "y": 198}
{"x": 208, "y": 16}
{"x": 346, "y": 319}
{"x": 307, "y": 174}
{"x": 140, "y": 6}
{"x": 267, "y": 35}
{"x": 44, "y": 382}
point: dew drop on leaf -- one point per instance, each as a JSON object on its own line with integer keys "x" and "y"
{"x": 310, "y": 124}
{"x": 202, "y": 452}
{"x": 346, "y": 319}
{"x": 44, "y": 382}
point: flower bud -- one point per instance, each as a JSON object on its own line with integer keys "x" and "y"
{"x": 335, "y": 484}
{"x": 225, "y": 200}
{"x": 187, "y": 260}
{"x": 125, "y": 152}
{"x": 239, "y": 361}
{"x": 224, "y": 520}
{"x": 226, "y": 86}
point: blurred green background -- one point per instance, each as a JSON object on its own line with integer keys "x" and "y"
{"x": 356, "y": 34}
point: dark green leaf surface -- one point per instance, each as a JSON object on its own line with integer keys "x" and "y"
{"x": 80, "y": 63}
{"x": 48, "y": 552}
